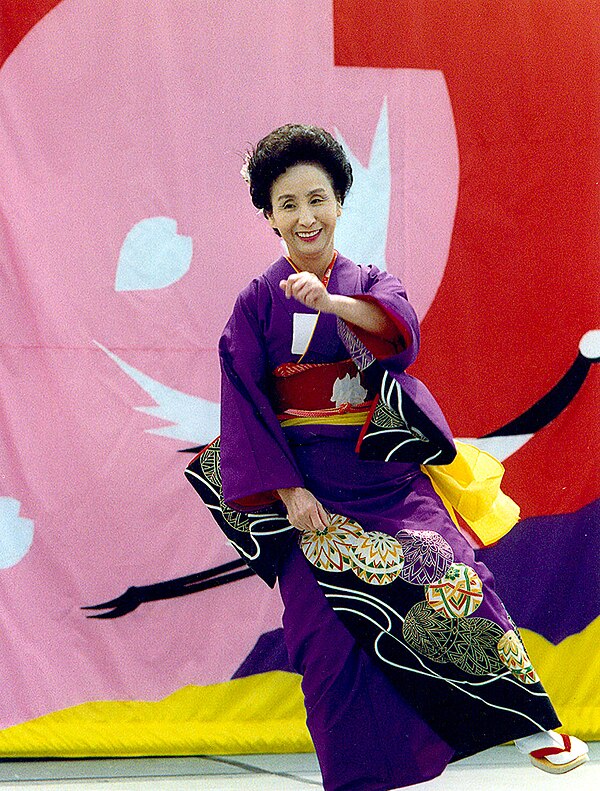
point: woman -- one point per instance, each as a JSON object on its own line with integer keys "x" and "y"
{"x": 409, "y": 659}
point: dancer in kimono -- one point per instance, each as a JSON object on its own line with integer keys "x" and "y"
{"x": 328, "y": 476}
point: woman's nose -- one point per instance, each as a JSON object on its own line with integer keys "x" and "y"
{"x": 306, "y": 216}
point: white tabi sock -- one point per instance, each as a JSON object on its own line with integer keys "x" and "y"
{"x": 552, "y": 739}
{"x": 537, "y": 741}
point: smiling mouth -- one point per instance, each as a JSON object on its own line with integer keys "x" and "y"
{"x": 308, "y": 235}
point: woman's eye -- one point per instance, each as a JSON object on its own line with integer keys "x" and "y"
{"x": 288, "y": 206}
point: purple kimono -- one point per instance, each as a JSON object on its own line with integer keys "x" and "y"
{"x": 409, "y": 658}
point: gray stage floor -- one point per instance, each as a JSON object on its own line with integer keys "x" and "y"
{"x": 500, "y": 769}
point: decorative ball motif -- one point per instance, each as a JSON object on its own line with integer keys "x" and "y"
{"x": 427, "y": 556}
{"x": 475, "y": 648}
{"x": 457, "y": 594}
{"x": 377, "y": 558}
{"x": 361, "y": 356}
{"x": 329, "y": 549}
{"x": 471, "y": 644}
{"x": 513, "y": 655}
{"x": 429, "y": 633}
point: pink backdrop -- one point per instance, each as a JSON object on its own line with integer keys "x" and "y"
{"x": 126, "y": 234}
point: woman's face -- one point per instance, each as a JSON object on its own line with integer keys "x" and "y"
{"x": 305, "y": 211}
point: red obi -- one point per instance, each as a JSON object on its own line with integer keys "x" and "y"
{"x": 328, "y": 388}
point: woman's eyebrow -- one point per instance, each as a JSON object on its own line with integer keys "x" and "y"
{"x": 291, "y": 196}
{"x": 314, "y": 191}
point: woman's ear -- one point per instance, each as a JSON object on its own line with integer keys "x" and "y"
{"x": 339, "y": 209}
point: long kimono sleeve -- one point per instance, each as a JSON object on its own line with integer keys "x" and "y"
{"x": 255, "y": 457}
{"x": 405, "y": 422}
{"x": 400, "y": 346}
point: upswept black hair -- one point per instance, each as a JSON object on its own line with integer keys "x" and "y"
{"x": 290, "y": 145}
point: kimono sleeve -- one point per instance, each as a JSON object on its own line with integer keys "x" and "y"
{"x": 255, "y": 456}
{"x": 405, "y": 423}
{"x": 402, "y": 342}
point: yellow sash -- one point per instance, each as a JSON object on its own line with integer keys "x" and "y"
{"x": 470, "y": 486}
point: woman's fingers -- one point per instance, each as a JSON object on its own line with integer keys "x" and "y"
{"x": 307, "y": 296}
{"x": 305, "y": 287}
{"x": 305, "y": 512}
{"x": 323, "y": 514}
{"x": 315, "y": 521}
{"x": 316, "y": 517}
{"x": 286, "y": 286}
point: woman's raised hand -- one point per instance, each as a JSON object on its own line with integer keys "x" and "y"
{"x": 307, "y": 289}
{"x": 304, "y": 511}
{"x": 310, "y": 291}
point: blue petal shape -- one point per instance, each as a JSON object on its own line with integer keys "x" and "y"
{"x": 16, "y": 533}
{"x": 153, "y": 256}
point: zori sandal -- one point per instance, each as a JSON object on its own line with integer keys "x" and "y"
{"x": 559, "y": 760}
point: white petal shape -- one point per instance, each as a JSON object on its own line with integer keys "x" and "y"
{"x": 361, "y": 232}
{"x": 16, "y": 533}
{"x": 193, "y": 419}
{"x": 153, "y": 256}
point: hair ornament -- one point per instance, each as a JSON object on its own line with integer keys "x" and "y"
{"x": 244, "y": 171}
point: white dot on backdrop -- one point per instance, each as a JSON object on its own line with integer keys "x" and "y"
{"x": 16, "y": 533}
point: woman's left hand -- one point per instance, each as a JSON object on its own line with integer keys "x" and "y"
{"x": 308, "y": 290}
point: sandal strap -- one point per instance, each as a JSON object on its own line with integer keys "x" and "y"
{"x": 545, "y": 751}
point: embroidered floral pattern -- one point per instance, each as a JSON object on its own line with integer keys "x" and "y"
{"x": 377, "y": 558}
{"x": 457, "y": 594}
{"x": 427, "y": 556}
{"x": 513, "y": 655}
